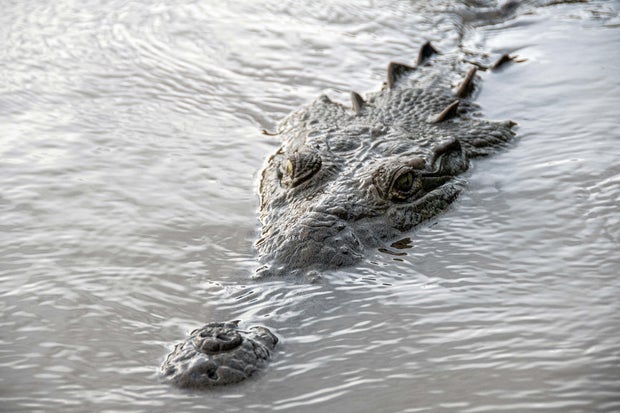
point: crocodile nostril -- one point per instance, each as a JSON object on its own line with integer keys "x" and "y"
{"x": 218, "y": 354}
{"x": 212, "y": 374}
{"x": 217, "y": 340}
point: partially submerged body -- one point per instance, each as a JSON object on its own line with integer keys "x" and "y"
{"x": 349, "y": 178}
{"x": 346, "y": 179}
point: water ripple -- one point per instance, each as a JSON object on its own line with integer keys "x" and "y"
{"x": 128, "y": 166}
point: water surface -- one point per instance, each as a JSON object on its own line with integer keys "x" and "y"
{"x": 129, "y": 158}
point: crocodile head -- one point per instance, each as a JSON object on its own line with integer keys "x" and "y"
{"x": 322, "y": 208}
{"x": 346, "y": 179}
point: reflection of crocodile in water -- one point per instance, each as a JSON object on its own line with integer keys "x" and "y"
{"x": 347, "y": 179}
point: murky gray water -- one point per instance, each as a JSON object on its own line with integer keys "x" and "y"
{"x": 129, "y": 152}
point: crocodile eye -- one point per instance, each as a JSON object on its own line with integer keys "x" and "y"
{"x": 404, "y": 185}
{"x": 290, "y": 169}
{"x": 404, "y": 182}
{"x": 300, "y": 167}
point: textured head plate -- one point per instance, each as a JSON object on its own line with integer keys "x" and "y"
{"x": 218, "y": 354}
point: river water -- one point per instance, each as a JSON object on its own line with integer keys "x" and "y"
{"x": 130, "y": 147}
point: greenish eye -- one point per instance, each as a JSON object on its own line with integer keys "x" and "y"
{"x": 398, "y": 184}
{"x": 290, "y": 170}
{"x": 300, "y": 167}
{"x": 404, "y": 183}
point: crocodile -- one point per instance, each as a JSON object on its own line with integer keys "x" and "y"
{"x": 346, "y": 179}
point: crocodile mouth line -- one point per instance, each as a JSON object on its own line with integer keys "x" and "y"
{"x": 447, "y": 191}
{"x": 433, "y": 182}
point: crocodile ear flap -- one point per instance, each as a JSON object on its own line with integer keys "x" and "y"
{"x": 357, "y": 102}
{"x": 395, "y": 71}
{"x": 426, "y": 51}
